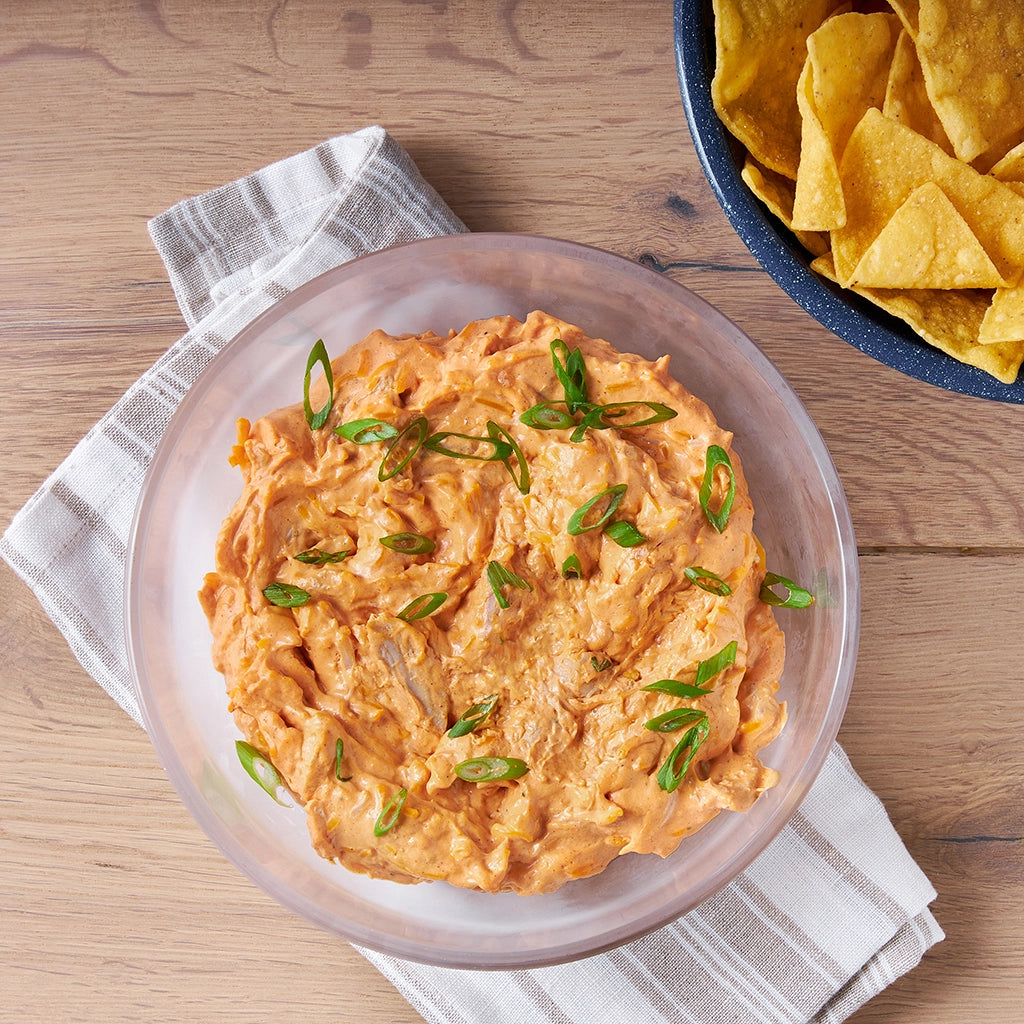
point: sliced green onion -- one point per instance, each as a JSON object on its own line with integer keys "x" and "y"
{"x": 608, "y": 500}
{"x": 710, "y": 667}
{"x": 571, "y": 568}
{"x": 675, "y": 719}
{"x": 499, "y": 577}
{"x": 339, "y": 753}
{"x": 422, "y": 606}
{"x": 405, "y": 445}
{"x": 707, "y": 580}
{"x": 606, "y": 417}
{"x": 285, "y": 595}
{"x": 547, "y": 416}
{"x": 624, "y": 533}
{"x": 521, "y": 473}
{"x": 318, "y": 354}
{"x": 490, "y": 769}
{"x": 498, "y": 450}
{"x": 674, "y": 769}
{"x": 408, "y": 543}
{"x": 315, "y": 556}
{"x": 716, "y": 456}
{"x": 389, "y": 815}
{"x": 578, "y": 434}
{"x": 366, "y": 431}
{"x": 674, "y": 688}
{"x": 571, "y": 371}
{"x": 473, "y": 717}
{"x": 260, "y": 769}
{"x": 600, "y": 666}
{"x": 796, "y": 597}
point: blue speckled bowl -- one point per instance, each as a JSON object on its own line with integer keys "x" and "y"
{"x": 853, "y": 318}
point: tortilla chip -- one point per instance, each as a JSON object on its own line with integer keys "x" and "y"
{"x": 760, "y": 48}
{"x": 1011, "y": 167}
{"x": 906, "y": 97}
{"x": 972, "y": 55}
{"x": 908, "y": 12}
{"x": 818, "y": 195}
{"x": 776, "y": 192}
{"x": 1004, "y": 318}
{"x": 948, "y": 320}
{"x": 846, "y": 71}
{"x": 885, "y": 162}
{"x": 926, "y": 244}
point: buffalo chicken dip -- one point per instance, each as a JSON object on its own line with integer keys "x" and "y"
{"x": 491, "y": 608}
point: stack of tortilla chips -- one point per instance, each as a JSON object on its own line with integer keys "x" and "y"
{"x": 887, "y": 137}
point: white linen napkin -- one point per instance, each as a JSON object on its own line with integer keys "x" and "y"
{"x": 828, "y": 916}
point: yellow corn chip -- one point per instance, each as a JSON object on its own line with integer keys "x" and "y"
{"x": 1011, "y": 167}
{"x": 926, "y": 244}
{"x": 776, "y": 192}
{"x": 908, "y": 12}
{"x": 906, "y": 97}
{"x": 885, "y": 162}
{"x": 846, "y": 71}
{"x": 760, "y": 47}
{"x": 818, "y": 195}
{"x": 1004, "y": 318}
{"x": 948, "y": 320}
{"x": 972, "y": 55}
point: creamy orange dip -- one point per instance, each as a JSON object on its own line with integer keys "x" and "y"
{"x": 566, "y": 661}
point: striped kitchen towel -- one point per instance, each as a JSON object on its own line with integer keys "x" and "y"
{"x": 829, "y": 915}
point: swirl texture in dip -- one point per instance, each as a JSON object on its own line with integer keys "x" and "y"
{"x": 565, "y": 649}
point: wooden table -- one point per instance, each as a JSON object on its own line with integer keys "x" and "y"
{"x": 560, "y": 119}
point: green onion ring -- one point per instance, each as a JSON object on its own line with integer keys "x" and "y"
{"x": 571, "y": 371}
{"x": 674, "y": 769}
{"x": 674, "y": 688}
{"x": 315, "y": 556}
{"x": 408, "y": 543}
{"x": 624, "y": 533}
{"x": 521, "y": 474}
{"x": 260, "y": 768}
{"x": 490, "y": 769}
{"x": 500, "y": 450}
{"x": 285, "y": 595}
{"x": 710, "y": 667}
{"x": 318, "y": 354}
{"x": 796, "y": 597}
{"x": 545, "y": 416}
{"x": 473, "y": 717}
{"x": 422, "y": 606}
{"x": 499, "y": 577}
{"x": 716, "y": 456}
{"x": 674, "y": 719}
{"x": 611, "y": 495}
{"x": 401, "y": 450}
{"x": 597, "y": 417}
{"x": 389, "y": 815}
{"x": 366, "y": 431}
{"x": 571, "y": 568}
{"x": 707, "y": 580}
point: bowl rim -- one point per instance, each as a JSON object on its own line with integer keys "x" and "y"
{"x": 849, "y": 316}
{"x": 845, "y": 662}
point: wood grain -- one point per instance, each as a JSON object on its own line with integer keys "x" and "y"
{"x": 526, "y": 116}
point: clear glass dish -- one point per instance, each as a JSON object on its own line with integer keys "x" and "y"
{"x": 801, "y": 518}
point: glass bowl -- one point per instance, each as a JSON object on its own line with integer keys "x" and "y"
{"x": 441, "y": 283}
{"x": 854, "y": 319}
